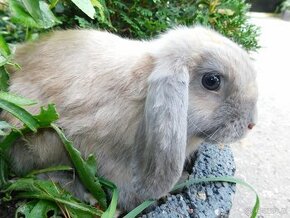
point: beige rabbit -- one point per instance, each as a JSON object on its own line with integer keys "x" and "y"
{"x": 141, "y": 107}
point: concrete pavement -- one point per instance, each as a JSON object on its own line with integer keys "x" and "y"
{"x": 263, "y": 158}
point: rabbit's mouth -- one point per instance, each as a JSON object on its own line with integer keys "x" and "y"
{"x": 229, "y": 133}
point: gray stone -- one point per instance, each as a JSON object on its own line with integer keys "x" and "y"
{"x": 205, "y": 199}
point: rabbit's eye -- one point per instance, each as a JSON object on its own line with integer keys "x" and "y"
{"x": 211, "y": 81}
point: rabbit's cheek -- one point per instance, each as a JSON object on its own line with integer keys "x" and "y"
{"x": 229, "y": 123}
{"x": 227, "y": 133}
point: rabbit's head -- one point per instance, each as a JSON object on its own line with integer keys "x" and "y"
{"x": 217, "y": 77}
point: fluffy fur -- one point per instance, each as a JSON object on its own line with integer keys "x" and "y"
{"x": 139, "y": 106}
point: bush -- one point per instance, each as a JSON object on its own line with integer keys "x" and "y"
{"x": 144, "y": 19}
{"x": 285, "y": 6}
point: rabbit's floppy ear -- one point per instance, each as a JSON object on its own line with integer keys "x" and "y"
{"x": 166, "y": 106}
{"x": 161, "y": 142}
{"x": 165, "y": 124}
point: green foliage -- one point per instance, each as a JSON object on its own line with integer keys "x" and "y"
{"x": 86, "y": 7}
{"x": 134, "y": 19}
{"x": 4, "y": 59}
{"x": 86, "y": 169}
{"x": 32, "y": 13}
{"x": 49, "y": 195}
{"x": 37, "y": 208}
{"x": 30, "y": 187}
{"x": 285, "y": 6}
{"x": 15, "y": 99}
{"x": 144, "y": 19}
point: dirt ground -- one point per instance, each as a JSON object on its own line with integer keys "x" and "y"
{"x": 263, "y": 158}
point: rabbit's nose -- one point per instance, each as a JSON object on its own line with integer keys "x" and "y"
{"x": 251, "y": 125}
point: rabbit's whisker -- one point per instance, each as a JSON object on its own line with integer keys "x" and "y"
{"x": 234, "y": 129}
{"x": 211, "y": 136}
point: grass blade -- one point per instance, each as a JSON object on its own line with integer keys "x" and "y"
{"x": 50, "y": 169}
{"x": 4, "y": 77}
{"x": 139, "y": 209}
{"x": 20, "y": 113}
{"x": 75, "y": 205}
{"x": 4, "y": 48}
{"x": 33, "y": 188}
{"x": 3, "y": 169}
{"x": 16, "y": 99}
{"x": 110, "y": 212}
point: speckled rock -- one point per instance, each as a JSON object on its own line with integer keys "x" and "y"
{"x": 206, "y": 199}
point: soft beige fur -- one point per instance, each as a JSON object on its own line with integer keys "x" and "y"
{"x": 139, "y": 106}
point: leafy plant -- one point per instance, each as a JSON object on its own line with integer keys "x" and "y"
{"x": 134, "y": 19}
{"x": 144, "y": 19}
{"x": 48, "y": 191}
{"x": 285, "y": 6}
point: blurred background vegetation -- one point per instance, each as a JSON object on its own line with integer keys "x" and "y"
{"x": 24, "y": 19}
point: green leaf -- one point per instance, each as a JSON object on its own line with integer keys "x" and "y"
{"x": 24, "y": 209}
{"x": 111, "y": 210}
{"x": 42, "y": 208}
{"x": 60, "y": 198}
{"x": 36, "y": 208}
{"x": 100, "y": 7}
{"x": 4, "y": 48}
{"x": 10, "y": 139}
{"x": 74, "y": 213}
{"x": 16, "y": 99}
{"x": 44, "y": 118}
{"x": 92, "y": 164}
{"x": 21, "y": 114}
{"x": 84, "y": 170}
{"x": 20, "y": 15}
{"x": 50, "y": 169}
{"x": 48, "y": 19}
{"x": 32, "y": 6}
{"x": 53, "y": 3}
{"x": 4, "y": 78}
{"x": 3, "y": 60}
{"x": 32, "y": 13}
{"x": 47, "y": 190}
{"x": 3, "y": 169}
{"x": 3, "y": 133}
{"x": 3, "y": 127}
{"x": 86, "y": 6}
{"x": 47, "y": 115}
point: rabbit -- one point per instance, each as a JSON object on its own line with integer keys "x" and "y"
{"x": 141, "y": 107}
